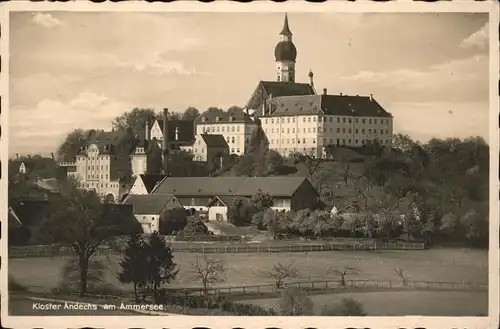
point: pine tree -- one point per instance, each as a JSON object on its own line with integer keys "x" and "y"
{"x": 160, "y": 262}
{"x": 133, "y": 263}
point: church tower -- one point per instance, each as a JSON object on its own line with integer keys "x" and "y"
{"x": 285, "y": 54}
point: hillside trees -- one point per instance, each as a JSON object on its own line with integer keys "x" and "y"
{"x": 190, "y": 113}
{"x": 135, "y": 119}
{"x": 72, "y": 143}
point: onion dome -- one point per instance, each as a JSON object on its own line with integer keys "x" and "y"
{"x": 285, "y": 50}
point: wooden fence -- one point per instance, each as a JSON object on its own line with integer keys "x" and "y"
{"x": 207, "y": 248}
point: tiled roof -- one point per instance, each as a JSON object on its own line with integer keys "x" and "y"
{"x": 237, "y": 116}
{"x": 186, "y": 129}
{"x": 150, "y": 180}
{"x": 364, "y": 106}
{"x": 107, "y": 141}
{"x": 148, "y": 204}
{"x": 214, "y": 140}
{"x": 277, "y": 89}
{"x": 229, "y": 186}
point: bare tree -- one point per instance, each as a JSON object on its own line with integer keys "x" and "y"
{"x": 401, "y": 273}
{"x": 346, "y": 170}
{"x": 208, "y": 271}
{"x": 295, "y": 302}
{"x": 280, "y": 272}
{"x": 343, "y": 273}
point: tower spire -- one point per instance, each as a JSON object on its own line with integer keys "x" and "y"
{"x": 286, "y": 29}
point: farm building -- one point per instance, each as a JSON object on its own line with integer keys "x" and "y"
{"x": 149, "y": 209}
{"x": 215, "y": 194}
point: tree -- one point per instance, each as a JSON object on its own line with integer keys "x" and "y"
{"x": 71, "y": 275}
{"x": 272, "y": 221}
{"x": 347, "y": 307}
{"x": 280, "y": 272}
{"x": 240, "y": 212}
{"x": 262, "y": 201}
{"x": 401, "y": 142}
{"x": 476, "y": 228}
{"x": 73, "y": 142}
{"x": 160, "y": 262}
{"x": 136, "y": 120}
{"x": 401, "y": 273}
{"x": 78, "y": 221}
{"x": 450, "y": 225}
{"x": 295, "y": 302}
{"x": 191, "y": 113}
{"x": 208, "y": 271}
{"x": 347, "y": 270}
{"x": 133, "y": 263}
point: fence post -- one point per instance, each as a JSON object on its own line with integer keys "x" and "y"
{"x": 244, "y": 290}
{"x": 202, "y": 249}
{"x": 247, "y": 248}
{"x": 290, "y": 247}
{"x": 301, "y": 247}
{"x": 269, "y": 248}
{"x": 258, "y": 248}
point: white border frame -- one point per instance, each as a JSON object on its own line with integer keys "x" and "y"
{"x": 491, "y": 321}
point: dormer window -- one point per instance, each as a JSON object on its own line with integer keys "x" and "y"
{"x": 231, "y": 118}
{"x": 217, "y": 119}
{"x": 203, "y": 119}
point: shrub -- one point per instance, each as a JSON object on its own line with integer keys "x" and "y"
{"x": 173, "y": 220}
{"x": 295, "y": 302}
{"x": 348, "y": 307}
{"x": 195, "y": 227}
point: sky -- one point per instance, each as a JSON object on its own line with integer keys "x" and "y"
{"x": 82, "y": 69}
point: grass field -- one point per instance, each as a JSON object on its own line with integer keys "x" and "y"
{"x": 399, "y": 303}
{"x": 42, "y": 274}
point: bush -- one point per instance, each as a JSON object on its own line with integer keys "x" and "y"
{"x": 348, "y": 307}
{"x": 195, "y": 227}
{"x": 295, "y": 302}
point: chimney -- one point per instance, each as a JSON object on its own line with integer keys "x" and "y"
{"x": 176, "y": 133}
{"x": 165, "y": 141}
{"x": 146, "y": 133}
{"x": 52, "y": 156}
{"x": 340, "y": 94}
{"x": 325, "y": 91}
{"x": 371, "y": 97}
{"x": 311, "y": 78}
{"x": 17, "y": 156}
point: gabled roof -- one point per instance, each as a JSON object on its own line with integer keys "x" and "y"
{"x": 147, "y": 203}
{"x": 186, "y": 129}
{"x": 151, "y": 180}
{"x": 236, "y": 116}
{"x": 344, "y": 105}
{"x": 214, "y": 140}
{"x": 277, "y": 89}
{"x": 229, "y": 186}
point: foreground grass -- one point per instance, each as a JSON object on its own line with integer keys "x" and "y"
{"x": 43, "y": 274}
{"x": 401, "y": 303}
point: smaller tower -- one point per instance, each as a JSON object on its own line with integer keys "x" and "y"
{"x": 311, "y": 78}
{"x": 146, "y": 133}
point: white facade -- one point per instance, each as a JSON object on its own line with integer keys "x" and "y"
{"x": 22, "y": 168}
{"x": 93, "y": 171}
{"x": 217, "y": 213}
{"x": 139, "y": 161}
{"x": 138, "y": 187}
{"x": 150, "y": 223}
{"x": 311, "y": 133}
{"x": 237, "y": 134}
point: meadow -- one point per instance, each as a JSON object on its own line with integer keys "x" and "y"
{"x": 397, "y": 303}
{"x": 43, "y": 273}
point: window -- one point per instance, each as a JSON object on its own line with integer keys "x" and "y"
{"x": 288, "y": 120}
{"x": 343, "y": 120}
{"x": 363, "y": 141}
{"x": 238, "y": 128}
{"x": 304, "y": 140}
{"x": 218, "y": 129}
{"x": 350, "y": 120}
{"x": 363, "y": 121}
{"x": 298, "y": 141}
{"x": 304, "y": 119}
{"x": 272, "y": 120}
{"x": 272, "y": 130}
{"x": 238, "y": 150}
{"x": 357, "y": 120}
{"x": 369, "y": 131}
{"x": 338, "y": 120}
{"x": 287, "y": 130}
{"x": 304, "y": 129}
{"x": 338, "y": 130}
{"x": 357, "y": 131}
{"x": 232, "y": 150}
{"x": 293, "y": 130}
{"x": 195, "y": 150}
{"x": 232, "y": 129}
{"x": 343, "y": 130}
{"x": 356, "y": 141}
{"x": 282, "y": 120}
{"x": 314, "y": 130}
{"x": 265, "y": 121}
{"x": 375, "y": 121}
{"x": 350, "y": 130}
{"x": 282, "y": 130}
{"x": 293, "y": 120}
{"x": 343, "y": 142}
{"x": 314, "y": 119}
{"x": 232, "y": 139}
{"x": 106, "y": 176}
{"x": 331, "y": 140}
{"x": 349, "y": 141}
{"x": 308, "y": 119}
{"x": 386, "y": 131}
{"x": 208, "y": 129}
{"x": 102, "y": 177}
{"x": 369, "y": 121}
{"x": 314, "y": 141}
{"x": 308, "y": 130}
{"x": 338, "y": 141}
{"x": 362, "y": 131}
{"x": 324, "y": 141}
{"x": 293, "y": 140}
{"x": 331, "y": 119}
